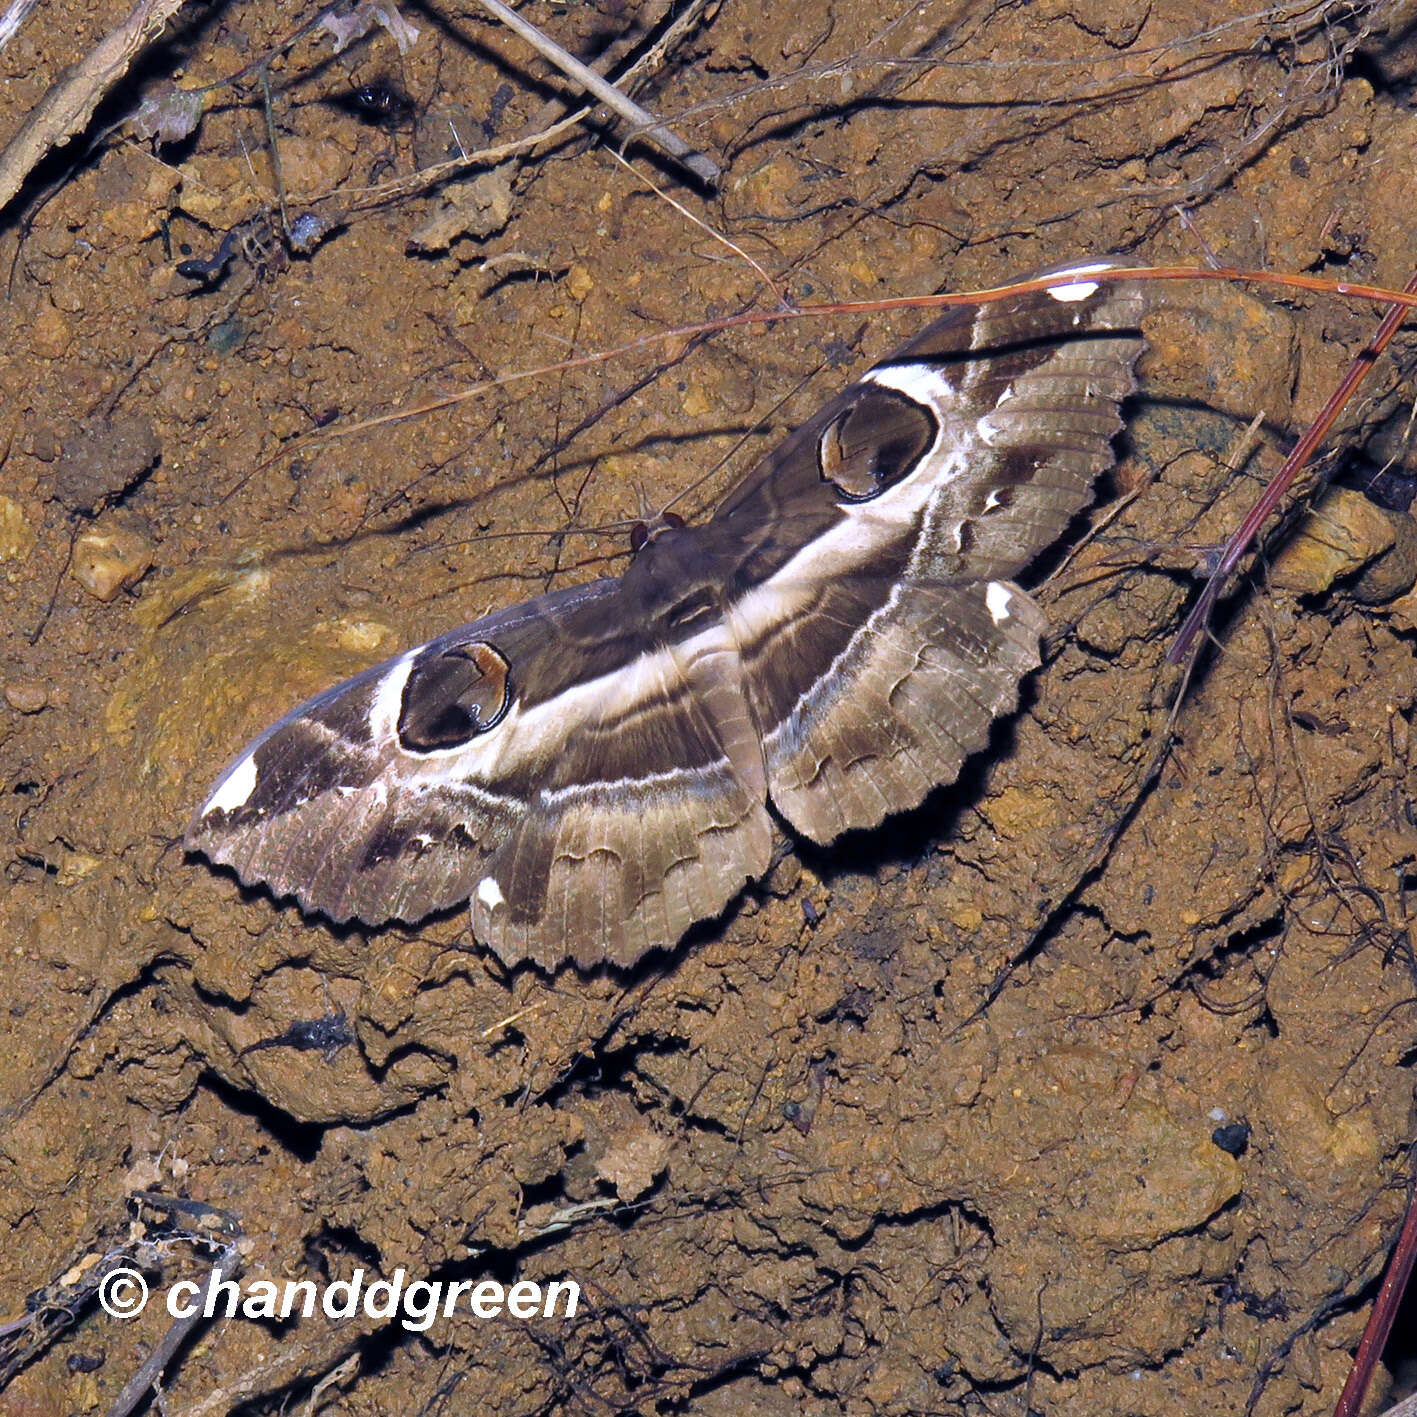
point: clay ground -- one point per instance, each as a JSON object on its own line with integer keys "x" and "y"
{"x": 927, "y": 1122}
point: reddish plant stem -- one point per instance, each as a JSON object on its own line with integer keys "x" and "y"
{"x": 1375, "y": 1335}
{"x": 1350, "y": 290}
{"x": 1299, "y": 456}
{"x": 1345, "y": 289}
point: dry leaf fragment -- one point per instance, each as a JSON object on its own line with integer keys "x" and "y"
{"x": 169, "y": 114}
{"x": 346, "y": 28}
{"x": 477, "y": 207}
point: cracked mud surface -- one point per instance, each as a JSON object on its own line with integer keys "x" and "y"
{"x": 927, "y": 1122}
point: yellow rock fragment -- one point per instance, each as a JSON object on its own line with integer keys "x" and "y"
{"x": 1015, "y": 813}
{"x": 17, "y": 537}
{"x": 1340, "y": 536}
{"x": 74, "y": 866}
{"x": 579, "y": 283}
{"x": 696, "y": 401}
{"x": 218, "y": 189}
{"x": 356, "y": 636}
{"x": 109, "y": 560}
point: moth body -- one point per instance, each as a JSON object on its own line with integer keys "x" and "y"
{"x": 591, "y": 771}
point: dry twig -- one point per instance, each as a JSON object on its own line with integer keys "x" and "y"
{"x": 225, "y": 1266}
{"x": 70, "y": 103}
{"x": 644, "y": 122}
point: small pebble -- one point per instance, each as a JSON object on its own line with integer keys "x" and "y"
{"x": 17, "y": 538}
{"x": 1341, "y": 535}
{"x": 103, "y": 459}
{"x": 108, "y": 561}
{"x": 1232, "y": 1138}
{"x": 45, "y": 444}
{"x": 27, "y": 695}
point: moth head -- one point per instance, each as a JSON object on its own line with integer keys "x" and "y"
{"x": 874, "y": 442}
{"x": 453, "y": 695}
{"x": 642, "y": 533}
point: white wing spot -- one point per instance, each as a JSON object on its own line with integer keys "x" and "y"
{"x": 235, "y": 789}
{"x": 1080, "y": 289}
{"x": 998, "y": 599}
{"x": 489, "y": 893}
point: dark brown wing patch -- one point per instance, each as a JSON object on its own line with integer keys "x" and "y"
{"x": 454, "y": 695}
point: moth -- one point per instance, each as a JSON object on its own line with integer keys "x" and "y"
{"x": 597, "y": 769}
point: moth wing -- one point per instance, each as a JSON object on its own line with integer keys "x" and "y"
{"x": 875, "y": 608}
{"x": 593, "y": 784}
{"x": 547, "y": 765}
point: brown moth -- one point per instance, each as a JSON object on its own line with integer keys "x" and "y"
{"x": 591, "y": 771}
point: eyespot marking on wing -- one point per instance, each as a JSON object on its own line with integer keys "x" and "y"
{"x": 875, "y": 442}
{"x": 454, "y": 696}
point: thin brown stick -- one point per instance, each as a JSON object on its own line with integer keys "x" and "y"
{"x": 718, "y": 236}
{"x": 544, "y": 128}
{"x": 682, "y": 333}
{"x": 1280, "y": 483}
{"x": 872, "y": 307}
{"x": 1375, "y": 1335}
{"x": 227, "y": 1265}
